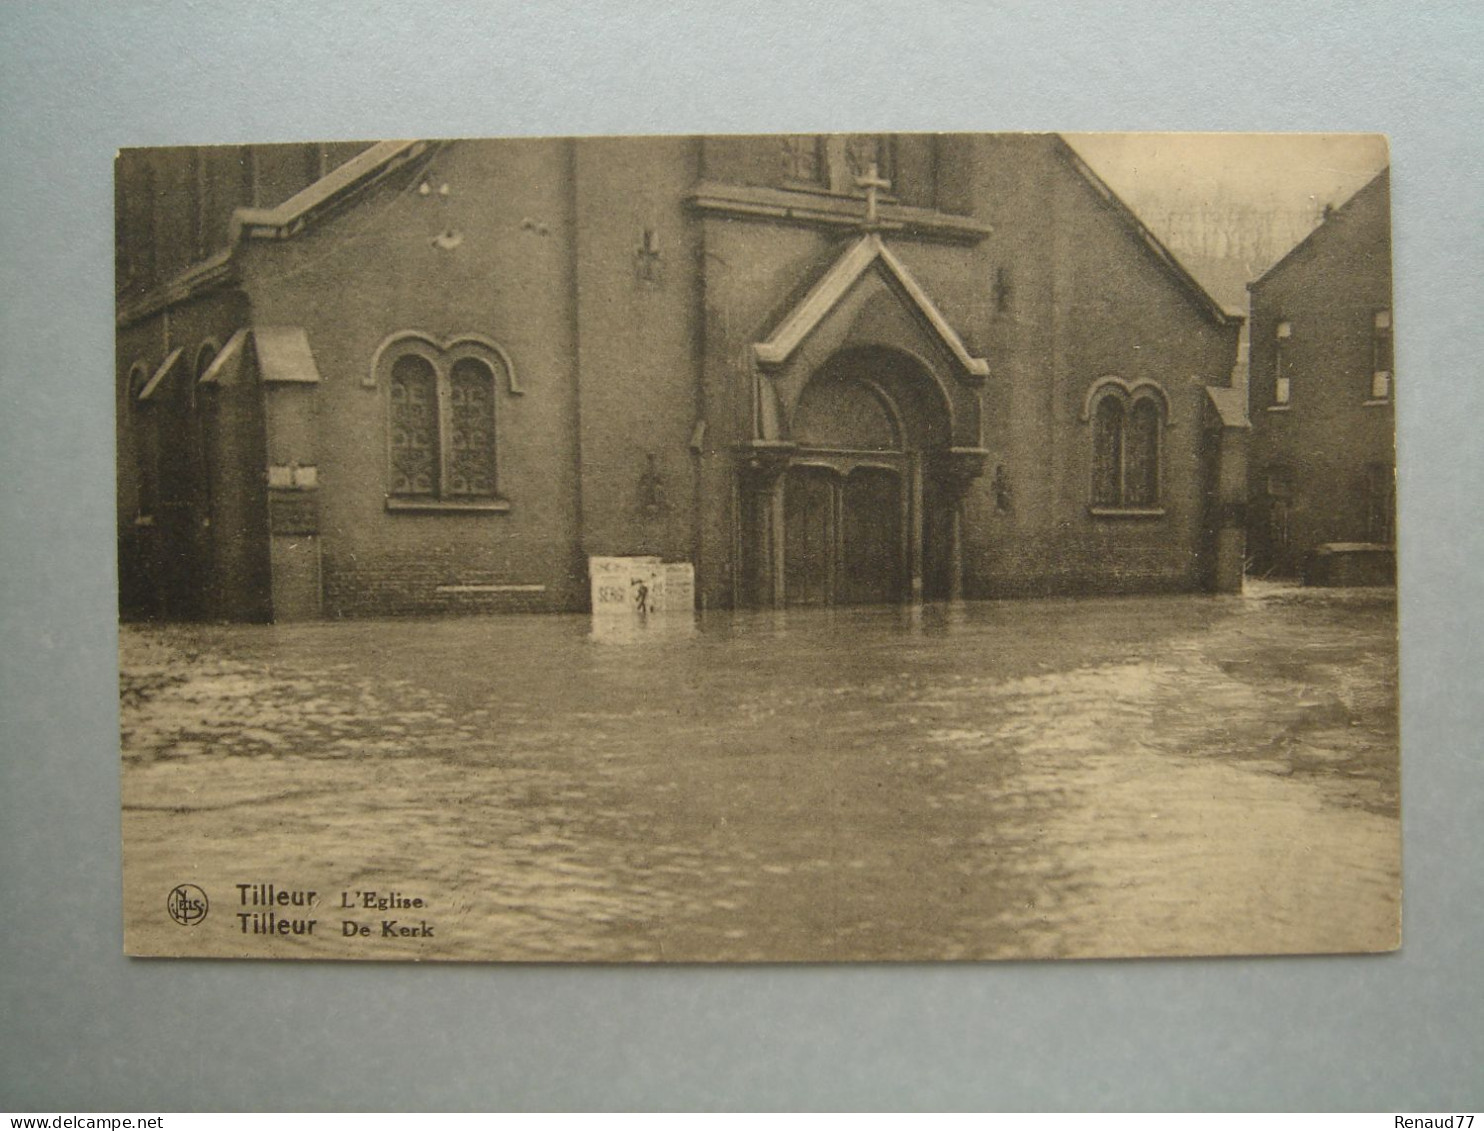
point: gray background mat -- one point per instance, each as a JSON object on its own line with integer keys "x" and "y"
{"x": 86, "y": 1028}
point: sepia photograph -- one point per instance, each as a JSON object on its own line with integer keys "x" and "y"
{"x": 849, "y": 547}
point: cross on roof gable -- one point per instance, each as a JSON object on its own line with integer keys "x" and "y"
{"x": 859, "y": 258}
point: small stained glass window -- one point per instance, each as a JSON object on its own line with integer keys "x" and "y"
{"x": 471, "y": 455}
{"x": 1125, "y": 451}
{"x": 414, "y": 426}
{"x": 441, "y": 422}
{"x": 1107, "y": 488}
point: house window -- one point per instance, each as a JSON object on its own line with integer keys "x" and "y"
{"x": 1282, "y": 381}
{"x": 1125, "y": 444}
{"x": 1380, "y": 503}
{"x": 1381, "y": 356}
{"x": 441, "y": 446}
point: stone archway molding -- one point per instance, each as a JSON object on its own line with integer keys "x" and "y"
{"x": 867, "y": 252}
{"x": 445, "y": 346}
{"x": 1132, "y": 391}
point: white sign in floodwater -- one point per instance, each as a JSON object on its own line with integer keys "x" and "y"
{"x": 622, "y": 586}
{"x": 638, "y": 596}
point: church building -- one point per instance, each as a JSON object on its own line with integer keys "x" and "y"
{"x": 424, "y": 376}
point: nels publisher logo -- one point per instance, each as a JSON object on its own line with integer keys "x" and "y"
{"x": 187, "y": 904}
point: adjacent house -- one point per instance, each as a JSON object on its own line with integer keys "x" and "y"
{"x": 1322, "y": 386}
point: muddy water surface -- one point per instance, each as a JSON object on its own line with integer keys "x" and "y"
{"x": 1161, "y": 775}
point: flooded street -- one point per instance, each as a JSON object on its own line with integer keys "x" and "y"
{"x": 1151, "y": 775}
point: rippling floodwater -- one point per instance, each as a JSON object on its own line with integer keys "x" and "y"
{"x": 1156, "y": 775}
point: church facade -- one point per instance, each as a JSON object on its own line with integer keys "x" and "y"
{"x": 417, "y": 377}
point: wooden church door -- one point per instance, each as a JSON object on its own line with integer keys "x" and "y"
{"x": 871, "y": 539}
{"x": 810, "y": 536}
{"x": 843, "y": 540}
{"x": 864, "y": 518}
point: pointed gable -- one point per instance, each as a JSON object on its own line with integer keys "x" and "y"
{"x": 1162, "y": 255}
{"x": 866, "y": 253}
{"x": 1333, "y": 222}
{"x": 227, "y": 363}
{"x": 166, "y": 368}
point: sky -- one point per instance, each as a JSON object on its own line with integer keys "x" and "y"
{"x": 1229, "y": 206}
{"x": 1286, "y": 170}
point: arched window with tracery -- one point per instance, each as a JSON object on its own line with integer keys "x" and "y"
{"x": 471, "y": 420}
{"x": 1126, "y": 446}
{"x": 414, "y": 427}
{"x": 1107, "y": 455}
{"x": 442, "y": 447}
{"x": 1141, "y": 455}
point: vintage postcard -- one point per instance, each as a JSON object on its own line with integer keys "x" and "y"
{"x": 847, "y": 547}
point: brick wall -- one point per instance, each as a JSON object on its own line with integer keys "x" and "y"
{"x": 1086, "y": 299}
{"x": 490, "y": 257}
{"x": 1333, "y": 429}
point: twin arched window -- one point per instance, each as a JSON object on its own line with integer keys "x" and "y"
{"x": 441, "y": 421}
{"x": 1126, "y": 448}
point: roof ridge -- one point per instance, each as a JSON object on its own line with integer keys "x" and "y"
{"x": 1323, "y": 225}
{"x": 1172, "y": 265}
{"x": 285, "y": 218}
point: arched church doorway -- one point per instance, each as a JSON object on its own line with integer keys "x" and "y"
{"x": 863, "y": 514}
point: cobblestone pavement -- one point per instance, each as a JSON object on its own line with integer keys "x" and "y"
{"x": 1041, "y": 778}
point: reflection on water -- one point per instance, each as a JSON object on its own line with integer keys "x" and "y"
{"x": 1037, "y": 778}
{"x": 643, "y": 630}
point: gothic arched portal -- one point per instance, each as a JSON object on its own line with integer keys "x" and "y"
{"x": 862, "y": 505}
